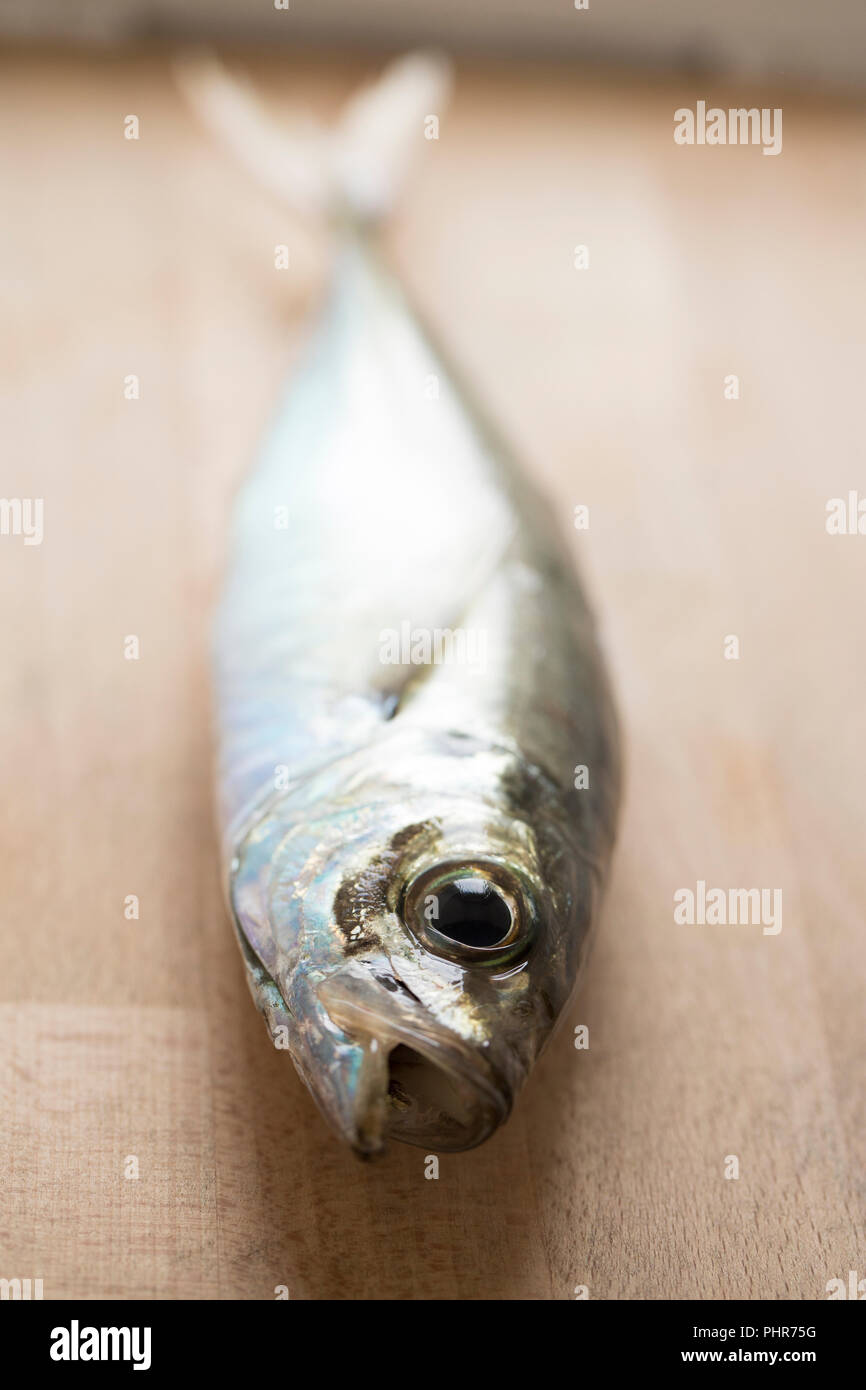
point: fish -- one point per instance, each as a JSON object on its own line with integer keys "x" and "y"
{"x": 419, "y": 766}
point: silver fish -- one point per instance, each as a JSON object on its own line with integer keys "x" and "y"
{"x": 407, "y": 676}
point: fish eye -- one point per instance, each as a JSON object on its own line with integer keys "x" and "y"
{"x": 470, "y": 912}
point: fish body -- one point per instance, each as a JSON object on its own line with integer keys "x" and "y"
{"x": 407, "y": 676}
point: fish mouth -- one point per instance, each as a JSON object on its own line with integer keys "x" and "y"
{"x": 404, "y": 1075}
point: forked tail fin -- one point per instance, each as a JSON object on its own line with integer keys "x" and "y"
{"x": 355, "y": 168}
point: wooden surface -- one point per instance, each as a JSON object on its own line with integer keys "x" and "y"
{"x": 707, "y": 518}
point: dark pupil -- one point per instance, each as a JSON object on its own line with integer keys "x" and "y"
{"x": 472, "y": 912}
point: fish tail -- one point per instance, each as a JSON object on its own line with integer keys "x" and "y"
{"x": 353, "y": 170}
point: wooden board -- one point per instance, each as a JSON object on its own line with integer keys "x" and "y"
{"x": 136, "y": 1038}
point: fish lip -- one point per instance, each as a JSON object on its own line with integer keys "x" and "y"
{"x": 365, "y": 1011}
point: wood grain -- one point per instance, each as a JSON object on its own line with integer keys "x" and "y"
{"x": 137, "y": 1038}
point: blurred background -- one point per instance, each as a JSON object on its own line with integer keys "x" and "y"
{"x": 610, "y": 368}
{"x": 795, "y": 37}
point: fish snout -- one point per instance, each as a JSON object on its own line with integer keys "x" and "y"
{"x": 382, "y": 1066}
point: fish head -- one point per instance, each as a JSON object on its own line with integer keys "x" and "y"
{"x": 424, "y": 942}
